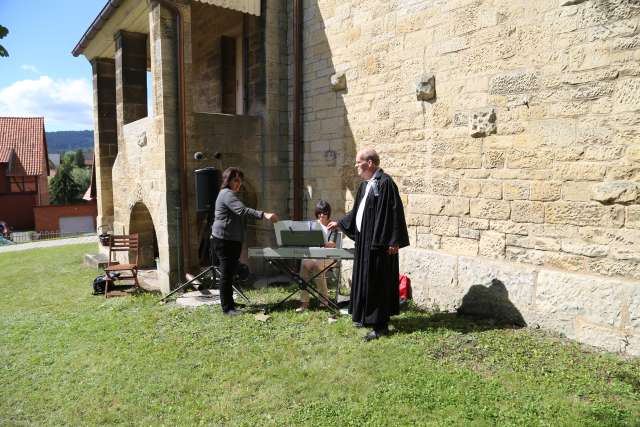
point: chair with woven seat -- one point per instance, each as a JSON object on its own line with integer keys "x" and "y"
{"x": 115, "y": 271}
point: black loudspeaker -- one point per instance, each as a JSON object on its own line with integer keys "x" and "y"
{"x": 207, "y": 188}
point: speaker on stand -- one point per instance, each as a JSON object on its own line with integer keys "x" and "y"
{"x": 207, "y": 182}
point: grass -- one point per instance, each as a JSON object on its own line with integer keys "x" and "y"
{"x": 70, "y": 358}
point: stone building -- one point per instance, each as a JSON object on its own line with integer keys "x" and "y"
{"x": 510, "y": 126}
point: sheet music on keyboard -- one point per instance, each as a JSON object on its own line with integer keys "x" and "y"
{"x": 294, "y": 226}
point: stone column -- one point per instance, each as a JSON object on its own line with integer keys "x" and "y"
{"x": 105, "y": 137}
{"x": 164, "y": 70}
{"x": 131, "y": 78}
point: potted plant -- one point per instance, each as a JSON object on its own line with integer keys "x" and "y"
{"x": 105, "y": 236}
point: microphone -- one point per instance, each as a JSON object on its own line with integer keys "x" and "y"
{"x": 199, "y": 155}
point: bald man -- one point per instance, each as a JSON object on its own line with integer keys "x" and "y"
{"x": 378, "y": 227}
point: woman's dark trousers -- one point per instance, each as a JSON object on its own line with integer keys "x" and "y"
{"x": 228, "y": 254}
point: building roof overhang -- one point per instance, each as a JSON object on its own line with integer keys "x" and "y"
{"x": 132, "y": 15}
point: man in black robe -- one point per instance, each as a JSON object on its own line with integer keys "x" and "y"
{"x": 378, "y": 227}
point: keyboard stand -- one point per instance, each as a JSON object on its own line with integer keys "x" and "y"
{"x": 303, "y": 285}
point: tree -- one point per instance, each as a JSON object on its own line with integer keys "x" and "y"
{"x": 69, "y": 157}
{"x": 3, "y": 33}
{"x": 80, "y": 158}
{"x": 63, "y": 188}
{"x": 82, "y": 177}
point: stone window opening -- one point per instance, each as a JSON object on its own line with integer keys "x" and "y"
{"x": 232, "y": 71}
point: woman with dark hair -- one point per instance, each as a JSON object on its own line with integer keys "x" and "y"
{"x": 227, "y": 233}
{"x": 310, "y": 267}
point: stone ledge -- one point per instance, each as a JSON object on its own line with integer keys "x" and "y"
{"x": 97, "y": 261}
{"x": 596, "y": 310}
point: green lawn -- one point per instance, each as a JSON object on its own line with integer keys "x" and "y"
{"x": 70, "y": 358}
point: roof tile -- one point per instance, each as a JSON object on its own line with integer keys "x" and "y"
{"x": 25, "y": 136}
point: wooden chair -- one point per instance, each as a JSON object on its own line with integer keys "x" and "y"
{"x": 115, "y": 271}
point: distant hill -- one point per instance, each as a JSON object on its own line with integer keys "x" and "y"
{"x": 69, "y": 140}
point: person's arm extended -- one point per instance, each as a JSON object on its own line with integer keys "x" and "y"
{"x": 236, "y": 205}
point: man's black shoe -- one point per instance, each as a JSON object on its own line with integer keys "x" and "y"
{"x": 375, "y": 334}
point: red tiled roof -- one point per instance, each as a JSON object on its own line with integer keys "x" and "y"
{"x": 25, "y": 137}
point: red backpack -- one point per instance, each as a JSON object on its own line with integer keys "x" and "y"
{"x": 405, "y": 288}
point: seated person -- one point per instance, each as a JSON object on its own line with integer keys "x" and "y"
{"x": 310, "y": 267}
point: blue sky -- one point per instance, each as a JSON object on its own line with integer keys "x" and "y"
{"x": 41, "y": 77}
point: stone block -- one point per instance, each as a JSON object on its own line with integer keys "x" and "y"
{"x": 444, "y": 186}
{"x": 576, "y": 191}
{"x": 444, "y": 225}
{"x": 627, "y": 95}
{"x": 469, "y": 233}
{"x": 490, "y": 209}
{"x": 520, "y": 241}
{"x": 513, "y": 83}
{"x": 580, "y": 247}
{"x": 581, "y": 171}
{"x": 474, "y": 223}
{"x": 470, "y": 187}
{"x": 433, "y": 278}
{"x": 425, "y": 204}
{"x": 509, "y": 227}
{"x": 625, "y": 253}
{"x": 482, "y": 123}
{"x": 633, "y": 217}
{"x": 615, "y": 192}
{"x": 606, "y": 337}
{"x": 493, "y": 159}
{"x": 491, "y": 189}
{"x": 515, "y": 190}
{"x": 426, "y": 87}
{"x": 583, "y": 214}
{"x": 460, "y": 246}
{"x": 545, "y": 191}
{"x": 462, "y": 161}
{"x": 562, "y": 297}
{"x": 624, "y": 172}
{"x": 492, "y": 244}
{"x": 417, "y": 219}
{"x": 455, "y": 206}
{"x": 496, "y": 289}
{"x": 612, "y": 267}
{"x": 460, "y": 118}
{"x": 428, "y": 241}
{"x": 524, "y": 255}
{"x": 529, "y": 158}
{"x": 527, "y": 211}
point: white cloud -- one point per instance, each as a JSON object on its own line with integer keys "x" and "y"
{"x": 64, "y": 104}
{"x": 31, "y": 68}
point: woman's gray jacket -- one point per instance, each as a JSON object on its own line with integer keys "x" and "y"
{"x": 229, "y": 223}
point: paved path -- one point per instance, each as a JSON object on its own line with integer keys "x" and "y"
{"x": 48, "y": 244}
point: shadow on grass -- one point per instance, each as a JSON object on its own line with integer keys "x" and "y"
{"x": 414, "y": 320}
{"x": 483, "y": 308}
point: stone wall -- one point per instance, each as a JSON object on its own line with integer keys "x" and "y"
{"x": 526, "y": 152}
{"x": 600, "y": 311}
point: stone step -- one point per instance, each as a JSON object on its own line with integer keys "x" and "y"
{"x": 98, "y": 261}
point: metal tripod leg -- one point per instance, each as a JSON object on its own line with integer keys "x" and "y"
{"x": 185, "y": 284}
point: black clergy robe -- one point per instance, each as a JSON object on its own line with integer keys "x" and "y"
{"x": 374, "y": 286}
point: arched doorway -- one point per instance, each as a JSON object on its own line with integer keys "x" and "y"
{"x": 142, "y": 224}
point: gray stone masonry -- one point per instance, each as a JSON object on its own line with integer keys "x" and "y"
{"x": 105, "y": 137}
